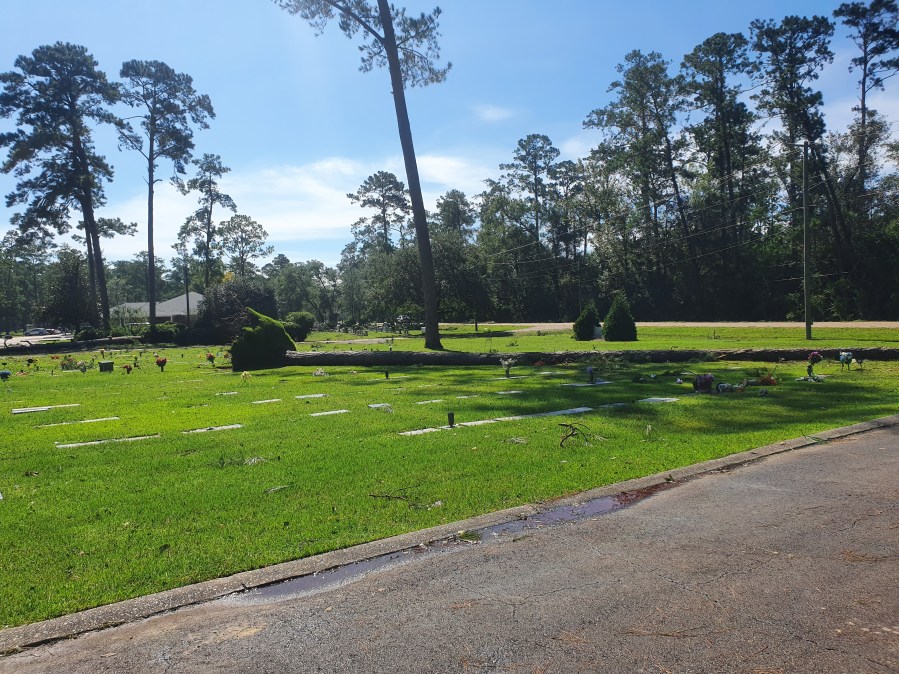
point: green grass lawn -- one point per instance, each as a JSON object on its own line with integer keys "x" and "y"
{"x": 84, "y": 525}
{"x": 501, "y": 339}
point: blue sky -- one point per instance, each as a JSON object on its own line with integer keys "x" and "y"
{"x": 300, "y": 126}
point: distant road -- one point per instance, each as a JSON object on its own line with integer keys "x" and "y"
{"x": 38, "y": 339}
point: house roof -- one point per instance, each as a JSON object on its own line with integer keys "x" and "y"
{"x": 177, "y": 306}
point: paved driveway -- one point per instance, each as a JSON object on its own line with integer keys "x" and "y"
{"x": 787, "y": 564}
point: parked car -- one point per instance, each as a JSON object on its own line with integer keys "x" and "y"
{"x": 35, "y": 332}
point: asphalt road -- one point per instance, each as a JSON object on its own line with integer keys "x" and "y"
{"x": 786, "y": 564}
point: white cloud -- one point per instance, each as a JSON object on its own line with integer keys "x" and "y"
{"x": 303, "y": 208}
{"x": 446, "y": 172}
{"x": 493, "y": 113}
{"x": 578, "y": 146}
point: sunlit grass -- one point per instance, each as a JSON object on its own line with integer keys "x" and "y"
{"x": 87, "y": 525}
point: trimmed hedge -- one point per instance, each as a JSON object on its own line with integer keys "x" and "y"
{"x": 262, "y": 346}
{"x": 299, "y": 324}
{"x": 583, "y": 326}
{"x": 619, "y": 325}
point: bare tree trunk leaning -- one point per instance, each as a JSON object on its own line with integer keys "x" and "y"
{"x": 419, "y": 216}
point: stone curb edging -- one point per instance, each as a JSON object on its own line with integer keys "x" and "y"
{"x": 16, "y": 639}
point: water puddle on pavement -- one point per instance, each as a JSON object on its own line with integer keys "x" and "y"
{"x": 339, "y": 575}
{"x": 571, "y": 513}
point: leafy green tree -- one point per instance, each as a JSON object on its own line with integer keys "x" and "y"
{"x": 729, "y": 184}
{"x": 278, "y": 264}
{"x": 55, "y": 94}
{"x": 408, "y": 47}
{"x": 128, "y": 280}
{"x": 24, "y": 258}
{"x": 517, "y": 267}
{"x": 642, "y": 145}
{"x": 388, "y": 197}
{"x": 461, "y": 271}
{"x": 299, "y": 324}
{"x": 183, "y": 270}
{"x": 874, "y": 32}
{"x": 106, "y": 228}
{"x": 67, "y": 296}
{"x": 243, "y": 239}
{"x": 167, "y": 105}
{"x": 532, "y": 164}
{"x": 200, "y": 226}
{"x": 790, "y": 56}
{"x": 454, "y": 214}
{"x": 224, "y": 309}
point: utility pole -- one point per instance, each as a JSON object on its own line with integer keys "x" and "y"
{"x": 806, "y": 246}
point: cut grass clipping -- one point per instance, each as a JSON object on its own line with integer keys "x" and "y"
{"x": 180, "y": 478}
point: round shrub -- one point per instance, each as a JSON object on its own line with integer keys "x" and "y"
{"x": 583, "y": 326}
{"x": 261, "y": 346}
{"x": 619, "y": 325}
{"x": 299, "y": 324}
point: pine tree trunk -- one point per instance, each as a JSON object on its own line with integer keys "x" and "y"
{"x": 151, "y": 257}
{"x": 419, "y": 216}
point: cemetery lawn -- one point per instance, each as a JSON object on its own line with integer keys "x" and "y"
{"x": 88, "y": 524}
{"x": 497, "y": 338}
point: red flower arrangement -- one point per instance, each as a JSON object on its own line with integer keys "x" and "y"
{"x": 161, "y": 361}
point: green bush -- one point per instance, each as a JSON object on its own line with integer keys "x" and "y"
{"x": 262, "y": 346}
{"x": 299, "y": 324}
{"x": 619, "y": 325}
{"x": 583, "y": 326}
{"x": 164, "y": 332}
{"x": 203, "y": 335}
{"x": 89, "y": 334}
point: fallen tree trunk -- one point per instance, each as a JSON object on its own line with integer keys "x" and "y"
{"x": 407, "y": 358}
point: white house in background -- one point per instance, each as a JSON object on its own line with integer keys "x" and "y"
{"x": 174, "y": 310}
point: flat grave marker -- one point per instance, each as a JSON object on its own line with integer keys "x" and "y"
{"x": 103, "y": 442}
{"x": 45, "y": 408}
{"x": 519, "y": 417}
{"x": 213, "y": 428}
{"x": 83, "y": 421}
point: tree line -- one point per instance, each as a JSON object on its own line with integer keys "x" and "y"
{"x": 691, "y": 202}
{"x": 58, "y": 97}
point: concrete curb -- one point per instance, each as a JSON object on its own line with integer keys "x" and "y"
{"x": 67, "y": 627}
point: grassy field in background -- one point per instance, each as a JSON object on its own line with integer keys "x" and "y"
{"x": 501, "y": 339}
{"x": 92, "y": 524}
